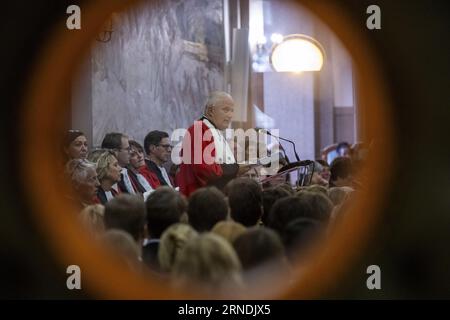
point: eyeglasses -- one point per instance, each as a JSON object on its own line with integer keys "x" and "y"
{"x": 166, "y": 146}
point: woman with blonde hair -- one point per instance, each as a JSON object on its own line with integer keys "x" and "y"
{"x": 209, "y": 263}
{"x": 108, "y": 171}
{"x": 173, "y": 240}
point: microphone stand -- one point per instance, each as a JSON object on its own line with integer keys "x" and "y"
{"x": 290, "y": 141}
{"x": 282, "y": 149}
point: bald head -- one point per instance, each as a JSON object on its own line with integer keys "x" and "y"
{"x": 219, "y": 109}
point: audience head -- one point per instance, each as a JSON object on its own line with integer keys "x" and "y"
{"x": 208, "y": 262}
{"x": 92, "y": 217}
{"x": 122, "y": 244}
{"x": 320, "y": 203}
{"x": 245, "y": 200}
{"x": 341, "y": 172}
{"x": 207, "y": 206}
{"x": 257, "y": 246}
{"x": 118, "y": 142}
{"x": 126, "y": 212}
{"x": 108, "y": 167}
{"x": 137, "y": 159}
{"x": 157, "y": 146}
{"x": 286, "y": 210}
{"x": 164, "y": 207}
{"x": 299, "y": 234}
{"x": 344, "y": 149}
{"x": 74, "y": 145}
{"x": 270, "y": 196}
{"x": 219, "y": 109}
{"x": 173, "y": 240}
{"x": 229, "y": 230}
{"x": 83, "y": 178}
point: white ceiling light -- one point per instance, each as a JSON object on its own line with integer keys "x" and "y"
{"x": 297, "y": 53}
{"x": 276, "y": 38}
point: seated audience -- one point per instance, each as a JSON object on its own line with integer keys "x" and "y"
{"x": 119, "y": 144}
{"x": 74, "y": 145}
{"x": 173, "y": 240}
{"x": 207, "y": 263}
{"x": 341, "y": 172}
{"x": 207, "y": 206}
{"x": 108, "y": 171}
{"x": 245, "y": 200}
{"x": 158, "y": 148}
{"x": 164, "y": 207}
{"x": 84, "y": 182}
{"x": 140, "y": 183}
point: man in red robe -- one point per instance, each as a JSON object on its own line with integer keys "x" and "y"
{"x": 206, "y": 157}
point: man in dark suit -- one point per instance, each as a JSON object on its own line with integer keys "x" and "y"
{"x": 158, "y": 148}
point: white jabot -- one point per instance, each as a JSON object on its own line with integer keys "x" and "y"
{"x": 223, "y": 150}
{"x": 165, "y": 176}
{"x": 109, "y": 195}
{"x": 144, "y": 183}
{"x": 127, "y": 181}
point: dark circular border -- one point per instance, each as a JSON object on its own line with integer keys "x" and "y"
{"x": 50, "y": 86}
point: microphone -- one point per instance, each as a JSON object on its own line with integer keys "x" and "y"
{"x": 284, "y": 139}
{"x": 281, "y": 146}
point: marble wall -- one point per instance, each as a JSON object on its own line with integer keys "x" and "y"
{"x": 155, "y": 73}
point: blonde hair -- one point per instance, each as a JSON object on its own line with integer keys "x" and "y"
{"x": 229, "y": 230}
{"x": 103, "y": 159}
{"x": 92, "y": 217}
{"x": 123, "y": 244}
{"x": 172, "y": 242}
{"x": 209, "y": 262}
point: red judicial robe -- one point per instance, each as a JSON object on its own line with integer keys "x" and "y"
{"x": 150, "y": 176}
{"x": 197, "y": 171}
